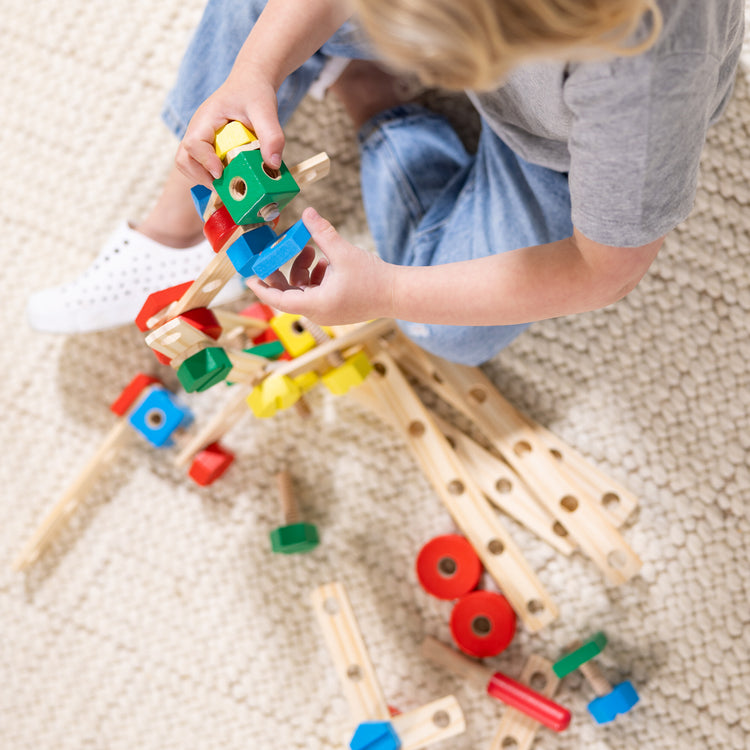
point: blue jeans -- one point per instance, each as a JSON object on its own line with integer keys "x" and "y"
{"x": 427, "y": 200}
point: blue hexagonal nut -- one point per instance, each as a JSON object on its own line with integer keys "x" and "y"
{"x": 158, "y": 416}
{"x": 608, "y": 707}
{"x": 243, "y": 252}
{"x": 375, "y": 735}
{"x": 289, "y": 244}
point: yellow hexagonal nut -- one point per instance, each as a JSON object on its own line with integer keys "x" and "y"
{"x": 272, "y": 395}
{"x": 232, "y": 135}
{"x": 292, "y": 334}
{"x": 307, "y": 380}
{"x": 352, "y": 373}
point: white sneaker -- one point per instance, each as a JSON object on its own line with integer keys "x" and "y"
{"x": 111, "y": 292}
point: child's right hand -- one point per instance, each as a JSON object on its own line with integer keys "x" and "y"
{"x": 253, "y": 103}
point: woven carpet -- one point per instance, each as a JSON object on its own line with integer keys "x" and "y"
{"x": 160, "y": 619}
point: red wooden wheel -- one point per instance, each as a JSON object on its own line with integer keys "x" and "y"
{"x": 483, "y": 623}
{"x": 448, "y": 567}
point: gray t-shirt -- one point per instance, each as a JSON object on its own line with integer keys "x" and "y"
{"x": 629, "y": 130}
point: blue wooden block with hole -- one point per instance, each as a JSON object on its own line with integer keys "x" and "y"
{"x": 375, "y": 735}
{"x": 244, "y": 251}
{"x": 289, "y": 244}
{"x": 608, "y": 707}
{"x": 158, "y": 416}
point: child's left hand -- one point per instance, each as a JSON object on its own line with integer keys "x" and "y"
{"x": 349, "y": 285}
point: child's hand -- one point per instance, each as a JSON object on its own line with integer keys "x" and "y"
{"x": 349, "y": 285}
{"x": 253, "y": 103}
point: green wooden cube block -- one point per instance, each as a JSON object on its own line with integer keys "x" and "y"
{"x": 251, "y": 192}
{"x": 204, "y": 369}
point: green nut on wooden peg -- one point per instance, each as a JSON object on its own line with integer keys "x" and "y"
{"x": 295, "y": 536}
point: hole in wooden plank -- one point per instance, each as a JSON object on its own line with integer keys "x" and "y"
{"x": 538, "y": 681}
{"x": 617, "y": 559}
{"x": 535, "y": 606}
{"x": 569, "y": 503}
{"x": 437, "y": 377}
{"x": 441, "y": 719}
{"x": 456, "y": 487}
{"x": 380, "y": 368}
{"x": 559, "y": 529}
{"x": 478, "y": 394}
{"x": 556, "y": 454}
{"x": 496, "y": 547}
{"x": 211, "y": 286}
{"x": 610, "y": 500}
{"x": 416, "y": 428}
{"x": 509, "y": 742}
{"x": 504, "y": 486}
{"x": 451, "y": 441}
{"x": 521, "y": 448}
{"x": 354, "y": 672}
{"x": 331, "y": 605}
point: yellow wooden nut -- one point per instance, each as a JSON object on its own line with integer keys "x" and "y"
{"x": 273, "y": 394}
{"x": 230, "y": 136}
{"x": 352, "y": 373}
{"x": 293, "y": 336}
{"x": 307, "y": 380}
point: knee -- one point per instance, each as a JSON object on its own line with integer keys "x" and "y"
{"x": 466, "y": 345}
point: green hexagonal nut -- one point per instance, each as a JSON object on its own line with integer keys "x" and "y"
{"x": 247, "y": 186}
{"x": 203, "y": 369}
{"x": 295, "y": 537}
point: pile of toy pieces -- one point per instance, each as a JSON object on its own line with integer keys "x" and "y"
{"x": 271, "y": 360}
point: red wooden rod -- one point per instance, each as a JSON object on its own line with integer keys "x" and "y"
{"x": 541, "y": 709}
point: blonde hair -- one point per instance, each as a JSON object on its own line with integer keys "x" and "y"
{"x": 472, "y": 44}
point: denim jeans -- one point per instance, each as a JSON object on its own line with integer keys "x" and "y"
{"x": 427, "y": 200}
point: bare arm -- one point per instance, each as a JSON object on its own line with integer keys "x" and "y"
{"x": 351, "y": 285}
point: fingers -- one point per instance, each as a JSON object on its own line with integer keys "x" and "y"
{"x": 324, "y": 234}
{"x": 196, "y": 157}
{"x": 264, "y": 121}
{"x": 299, "y": 273}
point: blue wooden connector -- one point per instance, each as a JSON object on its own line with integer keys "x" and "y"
{"x": 375, "y": 735}
{"x": 289, "y": 244}
{"x": 608, "y": 707}
{"x": 201, "y": 196}
{"x": 159, "y": 416}
{"x": 244, "y": 251}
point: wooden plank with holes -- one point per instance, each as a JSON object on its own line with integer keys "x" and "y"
{"x": 505, "y": 489}
{"x": 346, "y": 646}
{"x": 311, "y": 170}
{"x": 522, "y": 448}
{"x": 516, "y": 729}
{"x": 617, "y": 501}
{"x": 435, "y": 721}
{"x": 176, "y": 337}
{"x": 461, "y": 496}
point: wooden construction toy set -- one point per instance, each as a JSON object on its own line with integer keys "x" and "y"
{"x": 272, "y": 359}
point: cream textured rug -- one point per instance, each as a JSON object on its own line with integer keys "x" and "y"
{"x": 161, "y": 620}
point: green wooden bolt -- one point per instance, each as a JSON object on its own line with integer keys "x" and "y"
{"x": 295, "y": 535}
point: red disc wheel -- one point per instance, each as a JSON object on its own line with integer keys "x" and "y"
{"x": 448, "y": 567}
{"x": 483, "y": 623}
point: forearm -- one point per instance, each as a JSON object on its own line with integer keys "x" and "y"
{"x": 521, "y": 286}
{"x": 286, "y": 34}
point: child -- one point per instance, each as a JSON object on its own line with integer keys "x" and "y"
{"x": 594, "y": 113}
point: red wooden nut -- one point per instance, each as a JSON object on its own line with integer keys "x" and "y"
{"x": 209, "y": 464}
{"x": 448, "y": 567}
{"x": 157, "y": 301}
{"x": 127, "y": 398}
{"x": 482, "y": 623}
{"x": 204, "y": 320}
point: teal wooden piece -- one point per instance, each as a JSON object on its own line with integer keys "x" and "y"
{"x": 375, "y": 735}
{"x": 572, "y": 661}
{"x": 201, "y": 195}
{"x": 158, "y": 416}
{"x": 251, "y": 192}
{"x": 203, "y": 369}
